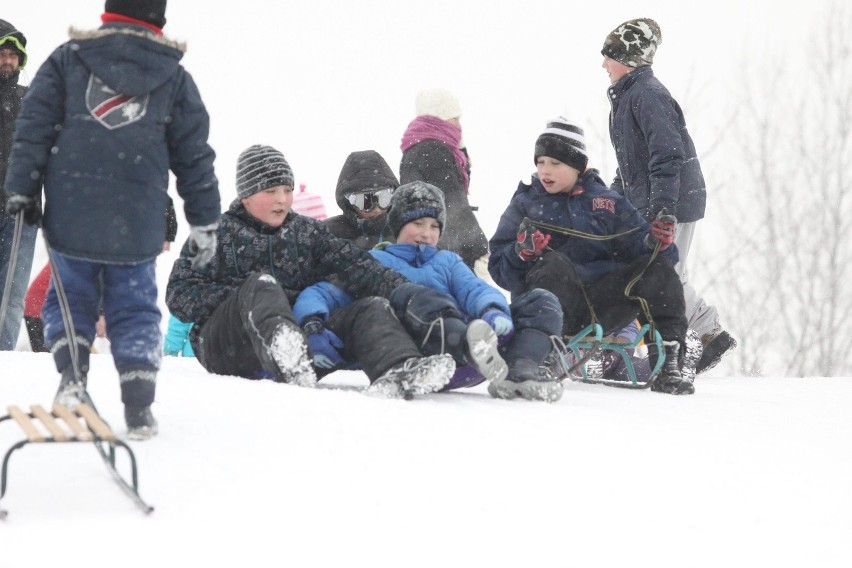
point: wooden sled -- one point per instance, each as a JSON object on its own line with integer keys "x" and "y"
{"x": 64, "y": 426}
{"x": 591, "y": 340}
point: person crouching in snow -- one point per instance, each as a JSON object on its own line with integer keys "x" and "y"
{"x": 610, "y": 269}
{"x": 128, "y": 113}
{"x": 267, "y": 254}
{"x": 480, "y": 316}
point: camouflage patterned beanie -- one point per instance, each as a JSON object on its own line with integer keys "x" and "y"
{"x": 634, "y": 42}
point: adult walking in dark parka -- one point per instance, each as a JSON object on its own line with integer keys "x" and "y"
{"x": 13, "y": 58}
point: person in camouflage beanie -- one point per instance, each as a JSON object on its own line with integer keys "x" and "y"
{"x": 658, "y": 167}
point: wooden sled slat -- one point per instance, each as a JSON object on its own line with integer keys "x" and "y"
{"x": 94, "y": 421}
{"x": 73, "y": 423}
{"x": 23, "y": 420}
{"x": 58, "y": 433}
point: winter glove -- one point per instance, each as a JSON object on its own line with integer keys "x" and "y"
{"x": 16, "y": 203}
{"x": 663, "y": 228}
{"x": 323, "y": 343}
{"x": 499, "y": 322}
{"x": 530, "y": 245}
{"x": 202, "y": 244}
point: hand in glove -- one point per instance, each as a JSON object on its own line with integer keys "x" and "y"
{"x": 16, "y": 203}
{"x": 202, "y": 244}
{"x": 663, "y": 228}
{"x": 499, "y": 322}
{"x": 323, "y": 343}
{"x": 530, "y": 245}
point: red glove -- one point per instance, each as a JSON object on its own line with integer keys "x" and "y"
{"x": 530, "y": 246}
{"x": 663, "y": 229}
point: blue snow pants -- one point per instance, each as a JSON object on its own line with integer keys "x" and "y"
{"x": 128, "y": 294}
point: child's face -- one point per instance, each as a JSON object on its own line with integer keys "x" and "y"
{"x": 556, "y": 176}
{"x": 270, "y": 205}
{"x": 422, "y": 231}
{"x": 615, "y": 70}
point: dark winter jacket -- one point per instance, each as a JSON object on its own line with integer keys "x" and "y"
{"x": 433, "y": 162}
{"x": 362, "y": 171}
{"x": 106, "y": 117}
{"x": 439, "y": 270}
{"x": 299, "y": 253}
{"x": 591, "y": 208}
{"x": 11, "y": 94}
{"x": 657, "y": 163}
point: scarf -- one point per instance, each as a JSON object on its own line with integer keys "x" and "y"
{"x": 433, "y": 128}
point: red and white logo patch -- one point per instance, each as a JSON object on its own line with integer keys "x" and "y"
{"x": 111, "y": 109}
{"x": 603, "y": 203}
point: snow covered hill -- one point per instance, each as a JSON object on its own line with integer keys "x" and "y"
{"x": 748, "y": 472}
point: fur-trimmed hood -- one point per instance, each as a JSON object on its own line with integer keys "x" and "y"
{"x": 128, "y": 58}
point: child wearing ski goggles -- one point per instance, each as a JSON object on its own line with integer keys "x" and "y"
{"x": 368, "y": 201}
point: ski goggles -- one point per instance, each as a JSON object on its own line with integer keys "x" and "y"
{"x": 13, "y": 42}
{"x": 368, "y": 201}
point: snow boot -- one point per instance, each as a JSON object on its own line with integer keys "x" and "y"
{"x": 670, "y": 380}
{"x": 694, "y": 349}
{"x": 72, "y": 391}
{"x": 414, "y": 376}
{"x": 527, "y": 380}
{"x": 715, "y": 347}
{"x": 482, "y": 351}
{"x": 141, "y": 424}
{"x": 289, "y": 351}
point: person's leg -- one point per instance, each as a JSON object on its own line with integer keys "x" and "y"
{"x": 555, "y": 273}
{"x": 11, "y": 326}
{"x": 537, "y": 316}
{"x": 133, "y": 326}
{"x": 373, "y": 336}
{"x": 254, "y": 331}
{"x": 81, "y": 282}
{"x": 701, "y": 316}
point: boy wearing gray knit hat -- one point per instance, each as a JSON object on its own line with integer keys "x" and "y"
{"x": 241, "y": 304}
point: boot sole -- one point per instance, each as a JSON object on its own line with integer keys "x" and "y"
{"x": 430, "y": 375}
{"x": 482, "y": 349}
{"x": 550, "y": 391}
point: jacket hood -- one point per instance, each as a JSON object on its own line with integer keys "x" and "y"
{"x": 363, "y": 171}
{"x": 128, "y": 58}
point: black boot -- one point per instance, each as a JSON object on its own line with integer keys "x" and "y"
{"x": 141, "y": 424}
{"x": 669, "y": 380}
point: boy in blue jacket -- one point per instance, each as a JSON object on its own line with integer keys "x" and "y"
{"x": 593, "y": 250}
{"x": 480, "y": 318}
{"x": 107, "y": 116}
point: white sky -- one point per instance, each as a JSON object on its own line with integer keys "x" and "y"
{"x": 319, "y": 79}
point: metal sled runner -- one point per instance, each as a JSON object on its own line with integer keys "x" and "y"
{"x": 591, "y": 340}
{"x": 93, "y": 429}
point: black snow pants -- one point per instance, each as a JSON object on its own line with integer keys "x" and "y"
{"x": 657, "y": 283}
{"x": 235, "y": 339}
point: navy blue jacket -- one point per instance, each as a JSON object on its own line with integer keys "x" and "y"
{"x": 657, "y": 163}
{"x": 591, "y": 208}
{"x": 106, "y": 117}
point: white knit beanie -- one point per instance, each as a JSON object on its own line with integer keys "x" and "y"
{"x": 437, "y": 102}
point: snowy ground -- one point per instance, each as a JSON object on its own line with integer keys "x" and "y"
{"x": 748, "y": 472}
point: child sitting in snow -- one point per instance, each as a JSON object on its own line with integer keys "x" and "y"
{"x": 605, "y": 262}
{"x": 480, "y": 316}
{"x": 240, "y": 304}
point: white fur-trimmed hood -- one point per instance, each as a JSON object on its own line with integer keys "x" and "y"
{"x": 76, "y": 34}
